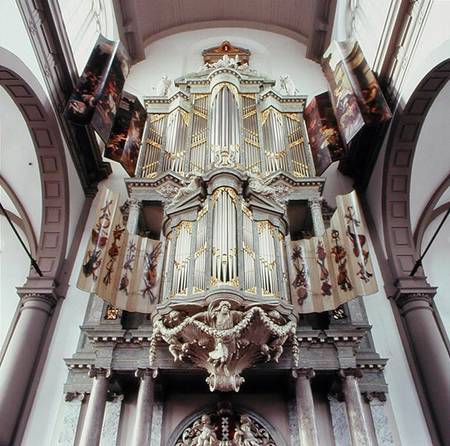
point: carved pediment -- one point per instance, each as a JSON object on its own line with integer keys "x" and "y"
{"x": 212, "y": 55}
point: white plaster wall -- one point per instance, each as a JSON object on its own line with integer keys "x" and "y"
{"x": 43, "y": 420}
{"x": 431, "y": 163}
{"x": 11, "y": 253}
{"x": 436, "y": 267}
{"x": 409, "y": 419}
{"x": 84, "y": 21}
{"x": 19, "y": 167}
{"x": 14, "y": 37}
{"x": 272, "y": 55}
{"x": 364, "y": 21}
{"x": 433, "y": 47}
{"x": 18, "y": 160}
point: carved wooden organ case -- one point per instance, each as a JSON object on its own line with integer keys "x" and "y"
{"x": 223, "y": 156}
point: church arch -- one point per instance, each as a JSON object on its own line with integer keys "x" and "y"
{"x": 236, "y": 414}
{"x": 400, "y": 245}
{"x": 25, "y": 90}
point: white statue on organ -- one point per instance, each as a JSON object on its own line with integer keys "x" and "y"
{"x": 287, "y": 85}
{"x": 163, "y": 86}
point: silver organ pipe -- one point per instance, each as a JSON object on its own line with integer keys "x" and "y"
{"x": 174, "y": 153}
{"x": 296, "y": 145}
{"x": 154, "y": 141}
{"x": 199, "y": 132}
{"x": 248, "y": 250}
{"x": 251, "y": 139}
{"x": 223, "y": 252}
{"x": 225, "y": 126}
{"x": 182, "y": 258}
{"x": 199, "y": 284}
{"x": 267, "y": 267}
{"x": 274, "y": 134}
{"x": 224, "y": 238}
{"x": 284, "y": 266}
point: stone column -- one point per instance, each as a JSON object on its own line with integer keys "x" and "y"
{"x": 111, "y": 420}
{"x": 380, "y": 420}
{"x": 134, "y": 211}
{"x": 315, "y": 204}
{"x": 144, "y": 407}
{"x": 19, "y": 363}
{"x": 305, "y": 407}
{"x": 432, "y": 358}
{"x": 72, "y": 407}
{"x": 359, "y": 431}
{"x": 92, "y": 427}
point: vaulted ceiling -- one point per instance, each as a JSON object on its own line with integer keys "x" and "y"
{"x": 144, "y": 21}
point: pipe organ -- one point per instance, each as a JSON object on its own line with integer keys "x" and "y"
{"x": 225, "y": 156}
{"x": 226, "y": 124}
{"x": 223, "y": 245}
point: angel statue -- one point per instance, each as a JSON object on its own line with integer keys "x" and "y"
{"x": 206, "y": 435}
{"x": 287, "y": 85}
{"x": 163, "y": 86}
{"x": 221, "y": 317}
{"x": 256, "y": 184}
{"x": 243, "y": 435}
{"x": 195, "y": 181}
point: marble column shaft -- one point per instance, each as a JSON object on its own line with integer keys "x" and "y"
{"x": 315, "y": 204}
{"x": 19, "y": 362}
{"x": 305, "y": 407}
{"x": 93, "y": 421}
{"x": 431, "y": 354}
{"x": 359, "y": 430}
{"x": 134, "y": 211}
{"x": 72, "y": 408}
{"x": 144, "y": 407}
{"x": 380, "y": 420}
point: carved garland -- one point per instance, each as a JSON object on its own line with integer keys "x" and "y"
{"x": 225, "y": 352}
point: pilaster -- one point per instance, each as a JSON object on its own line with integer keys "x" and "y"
{"x": 71, "y": 415}
{"x": 111, "y": 418}
{"x": 380, "y": 420}
{"x": 315, "y": 205}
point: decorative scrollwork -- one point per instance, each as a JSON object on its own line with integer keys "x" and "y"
{"x": 225, "y": 339}
{"x": 225, "y": 428}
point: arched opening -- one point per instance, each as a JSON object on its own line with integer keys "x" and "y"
{"x": 25, "y": 91}
{"x": 225, "y": 424}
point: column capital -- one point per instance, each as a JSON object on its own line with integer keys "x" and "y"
{"x": 315, "y": 201}
{"x": 112, "y": 397}
{"x": 351, "y": 371}
{"x": 74, "y": 396}
{"x": 308, "y": 373}
{"x": 42, "y": 297}
{"x": 375, "y": 397}
{"x": 142, "y": 372}
{"x": 338, "y": 396}
{"x": 411, "y": 299}
{"x": 134, "y": 203}
{"x": 97, "y": 372}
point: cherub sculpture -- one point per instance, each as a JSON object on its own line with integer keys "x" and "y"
{"x": 194, "y": 184}
{"x": 206, "y": 435}
{"x": 243, "y": 435}
{"x": 287, "y": 85}
{"x": 162, "y": 89}
{"x": 257, "y": 185}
